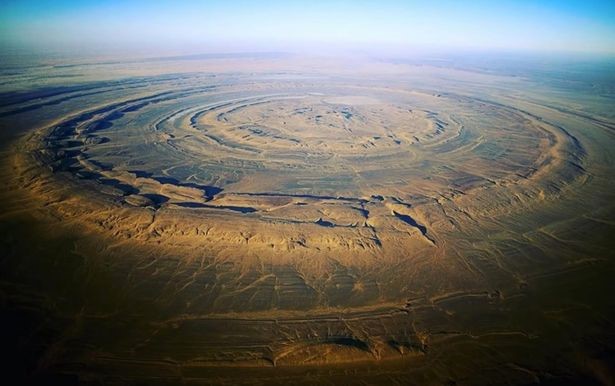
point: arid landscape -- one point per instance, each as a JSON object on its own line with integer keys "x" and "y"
{"x": 276, "y": 219}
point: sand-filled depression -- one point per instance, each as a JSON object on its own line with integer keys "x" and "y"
{"x": 406, "y": 224}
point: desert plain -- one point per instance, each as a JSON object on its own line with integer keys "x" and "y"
{"x": 275, "y": 219}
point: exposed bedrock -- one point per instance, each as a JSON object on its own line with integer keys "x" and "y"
{"x": 247, "y": 220}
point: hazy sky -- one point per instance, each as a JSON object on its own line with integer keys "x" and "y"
{"x": 206, "y": 26}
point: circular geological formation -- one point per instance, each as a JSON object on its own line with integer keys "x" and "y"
{"x": 311, "y": 195}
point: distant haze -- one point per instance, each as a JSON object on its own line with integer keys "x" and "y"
{"x": 177, "y": 27}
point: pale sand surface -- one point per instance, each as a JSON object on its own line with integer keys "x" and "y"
{"x": 304, "y": 220}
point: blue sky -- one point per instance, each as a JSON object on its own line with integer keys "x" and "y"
{"x": 202, "y": 26}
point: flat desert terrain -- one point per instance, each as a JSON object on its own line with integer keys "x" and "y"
{"x": 285, "y": 220}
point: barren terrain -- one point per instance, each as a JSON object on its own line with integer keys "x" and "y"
{"x": 291, "y": 220}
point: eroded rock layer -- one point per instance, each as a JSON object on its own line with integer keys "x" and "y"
{"x": 283, "y": 220}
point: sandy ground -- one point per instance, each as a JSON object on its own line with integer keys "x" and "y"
{"x": 277, "y": 220}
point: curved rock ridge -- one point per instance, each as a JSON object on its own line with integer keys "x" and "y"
{"x": 283, "y": 169}
{"x": 256, "y": 220}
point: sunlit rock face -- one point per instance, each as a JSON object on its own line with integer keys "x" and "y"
{"x": 248, "y": 219}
